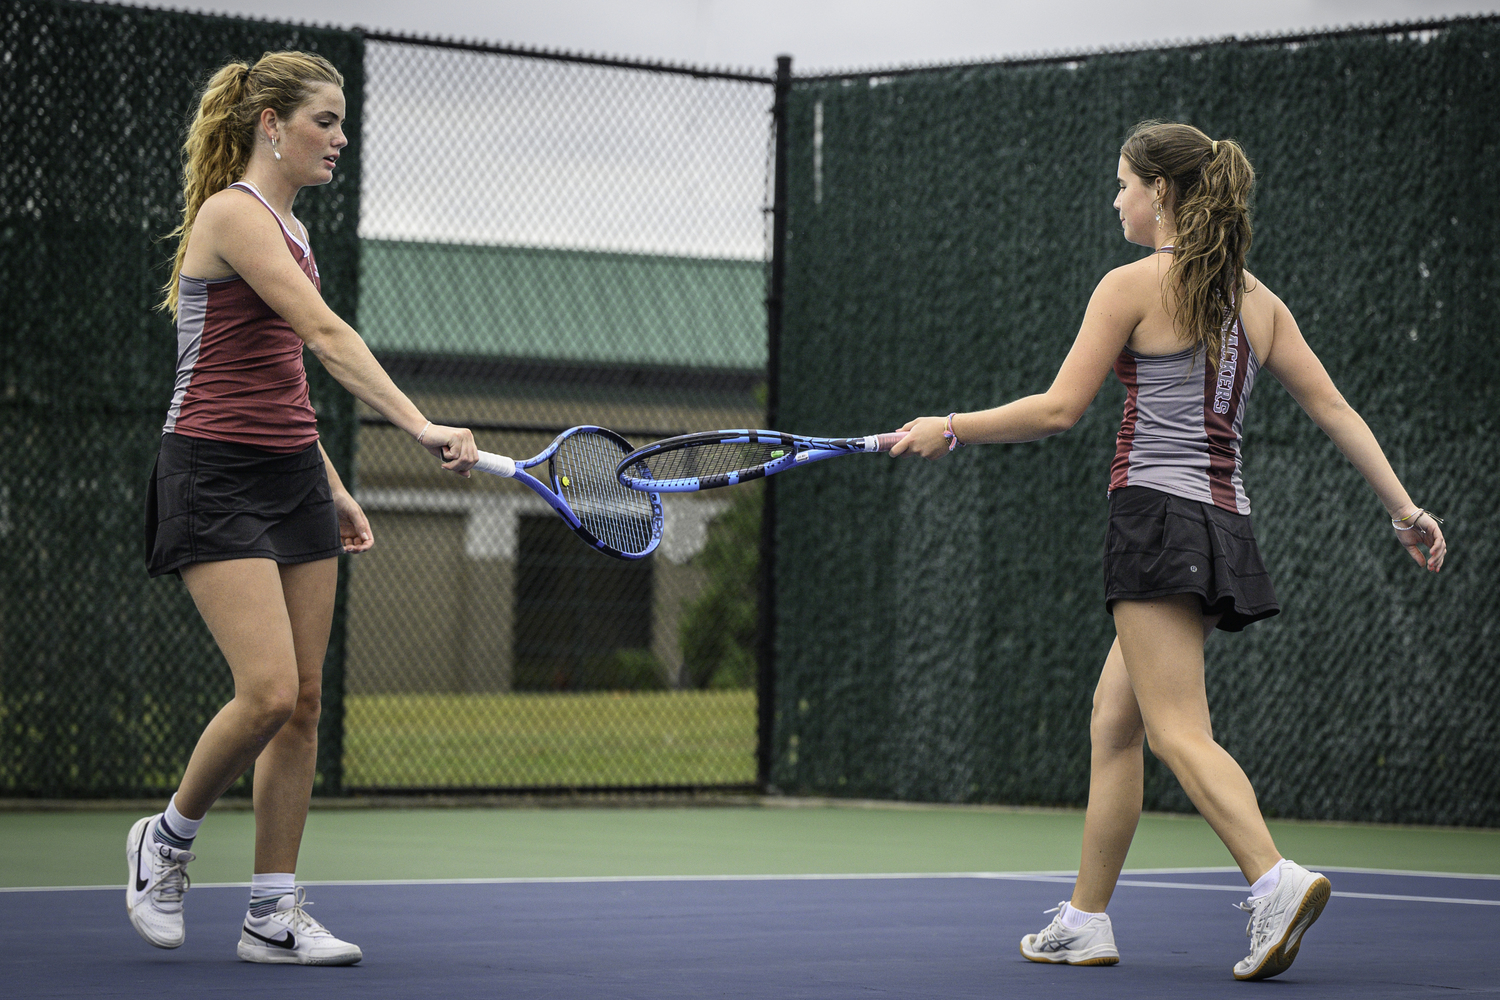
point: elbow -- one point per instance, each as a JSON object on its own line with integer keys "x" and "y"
{"x": 322, "y": 340}
{"x": 1333, "y": 412}
{"x": 1059, "y": 416}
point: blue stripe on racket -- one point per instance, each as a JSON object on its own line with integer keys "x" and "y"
{"x": 710, "y": 459}
{"x": 584, "y": 490}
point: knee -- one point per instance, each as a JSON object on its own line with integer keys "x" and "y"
{"x": 309, "y": 707}
{"x": 270, "y": 707}
{"x": 1115, "y": 727}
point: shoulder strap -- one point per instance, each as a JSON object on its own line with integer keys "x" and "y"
{"x": 249, "y": 188}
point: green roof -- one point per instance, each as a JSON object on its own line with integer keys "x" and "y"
{"x": 562, "y": 305}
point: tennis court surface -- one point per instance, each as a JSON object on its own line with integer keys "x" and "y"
{"x": 816, "y": 902}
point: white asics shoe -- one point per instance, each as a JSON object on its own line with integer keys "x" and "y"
{"x": 1279, "y": 919}
{"x": 290, "y": 936}
{"x": 1091, "y": 944}
{"x": 155, "y": 886}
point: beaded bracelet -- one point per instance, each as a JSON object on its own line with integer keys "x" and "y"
{"x": 951, "y": 435}
{"x": 1413, "y": 518}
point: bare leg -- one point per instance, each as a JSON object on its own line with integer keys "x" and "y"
{"x": 285, "y": 770}
{"x": 1116, "y": 783}
{"x": 241, "y": 601}
{"x": 1162, "y": 643}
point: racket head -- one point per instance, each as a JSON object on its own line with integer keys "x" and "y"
{"x": 613, "y": 518}
{"x": 711, "y": 459}
{"x": 707, "y": 460}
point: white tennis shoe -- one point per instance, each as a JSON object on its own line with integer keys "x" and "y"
{"x": 1091, "y": 944}
{"x": 1279, "y": 919}
{"x": 154, "y": 888}
{"x": 290, "y": 937}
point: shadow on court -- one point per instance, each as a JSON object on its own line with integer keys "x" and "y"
{"x": 784, "y": 938}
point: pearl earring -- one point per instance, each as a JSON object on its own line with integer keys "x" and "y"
{"x": 1157, "y": 206}
{"x": 278, "y": 156}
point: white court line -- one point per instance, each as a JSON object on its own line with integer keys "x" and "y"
{"x": 1239, "y": 890}
{"x": 1055, "y": 877}
{"x": 1399, "y": 871}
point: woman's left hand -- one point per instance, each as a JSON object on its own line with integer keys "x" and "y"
{"x": 1424, "y": 532}
{"x": 924, "y": 437}
{"x": 354, "y": 527}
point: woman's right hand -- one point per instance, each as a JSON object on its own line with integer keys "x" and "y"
{"x": 453, "y": 445}
{"x": 924, "y": 437}
{"x": 1424, "y": 533}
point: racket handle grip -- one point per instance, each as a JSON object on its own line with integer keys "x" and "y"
{"x": 496, "y": 465}
{"x": 885, "y": 442}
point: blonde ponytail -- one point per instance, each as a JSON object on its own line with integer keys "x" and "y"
{"x": 222, "y": 135}
{"x": 1210, "y": 182}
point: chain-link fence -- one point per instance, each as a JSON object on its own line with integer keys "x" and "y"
{"x": 950, "y": 224}
{"x": 528, "y": 242}
{"x": 544, "y": 241}
{"x": 106, "y": 678}
{"x": 548, "y": 242}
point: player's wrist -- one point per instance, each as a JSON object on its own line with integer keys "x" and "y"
{"x": 950, "y": 434}
{"x": 1409, "y": 521}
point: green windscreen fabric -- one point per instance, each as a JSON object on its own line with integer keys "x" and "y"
{"x": 940, "y": 627}
{"x": 107, "y": 678}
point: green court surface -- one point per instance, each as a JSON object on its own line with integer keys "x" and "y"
{"x": 767, "y": 837}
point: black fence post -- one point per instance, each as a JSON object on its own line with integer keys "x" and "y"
{"x": 766, "y": 679}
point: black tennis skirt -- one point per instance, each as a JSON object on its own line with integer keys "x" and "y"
{"x": 1159, "y": 544}
{"x": 212, "y": 500}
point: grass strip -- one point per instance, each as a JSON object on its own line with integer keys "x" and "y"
{"x": 545, "y": 740}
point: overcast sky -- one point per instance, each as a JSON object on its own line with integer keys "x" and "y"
{"x": 592, "y": 173}
{"x": 840, "y": 34}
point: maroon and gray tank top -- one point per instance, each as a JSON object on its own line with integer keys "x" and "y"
{"x": 1183, "y": 421}
{"x": 239, "y": 364}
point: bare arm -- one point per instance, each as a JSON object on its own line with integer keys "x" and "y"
{"x": 1297, "y": 368}
{"x": 240, "y": 232}
{"x": 1114, "y": 310}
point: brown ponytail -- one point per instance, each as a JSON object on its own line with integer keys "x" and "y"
{"x": 222, "y": 135}
{"x": 1209, "y": 183}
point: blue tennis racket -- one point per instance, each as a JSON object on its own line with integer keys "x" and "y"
{"x": 710, "y": 459}
{"x": 584, "y": 490}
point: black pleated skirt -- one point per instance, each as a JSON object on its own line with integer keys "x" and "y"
{"x": 213, "y": 500}
{"x": 1158, "y": 544}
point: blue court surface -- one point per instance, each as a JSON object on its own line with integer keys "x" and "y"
{"x": 1384, "y": 934}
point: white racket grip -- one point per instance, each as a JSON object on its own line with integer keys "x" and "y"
{"x": 496, "y": 465}
{"x": 883, "y": 442}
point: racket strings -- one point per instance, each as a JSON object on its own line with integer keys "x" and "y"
{"x": 707, "y": 460}
{"x": 584, "y": 474}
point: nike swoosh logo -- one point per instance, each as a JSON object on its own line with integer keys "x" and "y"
{"x": 289, "y": 942}
{"x": 140, "y": 852}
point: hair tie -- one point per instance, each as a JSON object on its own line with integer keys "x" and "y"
{"x": 1216, "y": 147}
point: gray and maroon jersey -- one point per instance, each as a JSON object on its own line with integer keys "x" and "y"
{"x": 239, "y": 364}
{"x": 1182, "y": 425}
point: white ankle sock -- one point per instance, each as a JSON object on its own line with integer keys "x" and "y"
{"x": 1074, "y": 918}
{"x": 179, "y": 827}
{"x": 1268, "y": 882}
{"x": 267, "y": 888}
